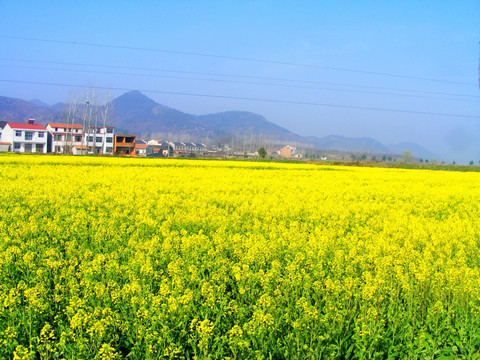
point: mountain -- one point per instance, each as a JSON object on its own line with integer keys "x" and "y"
{"x": 142, "y": 115}
{"x": 39, "y": 103}
{"x": 416, "y": 150}
{"x": 139, "y": 114}
{"x": 18, "y": 110}
{"x": 242, "y": 123}
{"x": 58, "y": 107}
{"x": 340, "y": 143}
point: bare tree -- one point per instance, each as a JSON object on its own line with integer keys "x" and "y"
{"x": 105, "y": 112}
{"x": 70, "y": 115}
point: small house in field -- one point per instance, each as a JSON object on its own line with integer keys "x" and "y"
{"x": 159, "y": 148}
{"x": 79, "y": 150}
{"x": 287, "y": 151}
{"x": 188, "y": 148}
{"x": 141, "y": 148}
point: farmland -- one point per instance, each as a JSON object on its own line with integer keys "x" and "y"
{"x": 149, "y": 258}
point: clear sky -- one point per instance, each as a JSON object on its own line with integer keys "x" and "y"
{"x": 413, "y": 56}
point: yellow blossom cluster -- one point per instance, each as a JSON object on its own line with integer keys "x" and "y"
{"x": 113, "y": 258}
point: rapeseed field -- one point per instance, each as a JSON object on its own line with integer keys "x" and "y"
{"x": 122, "y": 258}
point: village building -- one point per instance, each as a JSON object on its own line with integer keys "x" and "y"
{"x": 4, "y": 146}
{"x": 159, "y": 148}
{"x": 25, "y": 137}
{"x": 188, "y": 149}
{"x": 63, "y": 137}
{"x": 141, "y": 147}
{"x": 124, "y": 145}
{"x": 99, "y": 140}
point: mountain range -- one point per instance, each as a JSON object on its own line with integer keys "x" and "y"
{"x": 135, "y": 113}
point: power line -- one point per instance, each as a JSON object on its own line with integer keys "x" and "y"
{"x": 240, "y": 82}
{"x": 247, "y": 98}
{"x": 234, "y": 76}
{"x": 226, "y": 57}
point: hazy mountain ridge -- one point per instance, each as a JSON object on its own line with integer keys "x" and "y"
{"x": 136, "y": 113}
{"x": 415, "y": 149}
{"x": 18, "y": 110}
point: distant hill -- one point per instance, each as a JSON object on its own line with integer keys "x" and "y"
{"x": 60, "y": 106}
{"x": 416, "y": 150}
{"x": 39, "y": 103}
{"x": 341, "y": 143}
{"x": 139, "y": 114}
{"x": 136, "y": 113}
{"x": 18, "y": 110}
{"x": 242, "y": 123}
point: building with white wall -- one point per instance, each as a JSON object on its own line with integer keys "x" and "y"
{"x": 99, "y": 139}
{"x": 26, "y": 137}
{"x": 4, "y": 145}
{"x": 64, "y": 137}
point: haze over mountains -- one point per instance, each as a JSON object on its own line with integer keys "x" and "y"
{"x": 136, "y": 113}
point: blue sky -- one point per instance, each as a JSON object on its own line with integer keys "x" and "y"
{"x": 436, "y": 40}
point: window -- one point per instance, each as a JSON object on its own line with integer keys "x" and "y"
{"x": 57, "y": 137}
{"x": 28, "y": 148}
{"x": 90, "y": 138}
{"x": 109, "y": 140}
{"x": 16, "y": 146}
{"x": 18, "y": 133}
{"x": 78, "y": 138}
{"x": 28, "y": 135}
{"x": 109, "y": 131}
{"x": 41, "y": 134}
{"x": 108, "y": 150}
{"x": 56, "y": 129}
{"x": 98, "y": 139}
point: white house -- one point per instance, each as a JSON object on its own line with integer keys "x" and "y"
{"x": 4, "y": 146}
{"x": 26, "y": 137}
{"x": 141, "y": 148}
{"x": 99, "y": 139}
{"x": 64, "y": 137}
{"x": 187, "y": 148}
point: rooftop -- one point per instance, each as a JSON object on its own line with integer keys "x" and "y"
{"x": 69, "y": 126}
{"x": 25, "y": 126}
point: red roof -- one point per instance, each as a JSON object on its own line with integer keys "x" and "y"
{"x": 141, "y": 146}
{"x": 25, "y": 126}
{"x": 70, "y": 126}
{"x": 5, "y": 143}
{"x": 78, "y": 147}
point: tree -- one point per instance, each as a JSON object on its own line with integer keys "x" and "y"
{"x": 69, "y": 116}
{"x": 384, "y": 158}
{"x": 262, "y": 152}
{"x": 470, "y": 163}
{"x": 105, "y": 112}
{"x": 407, "y": 156}
{"x": 374, "y": 158}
